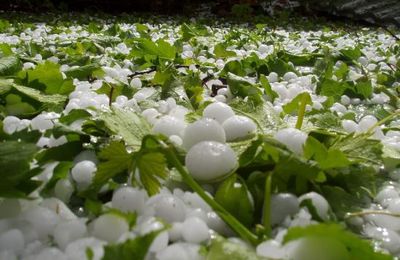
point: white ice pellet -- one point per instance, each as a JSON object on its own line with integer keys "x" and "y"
{"x": 387, "y": 193}
{"x": 68, "y": 231}
{"x": 59, "y": 208}
{"x": 293, "y": 138}
{"x": 83, "y": 173}
{"x": 289, "y": 76}
{"x": 176, "y": 140}
{"x": 109, "y": 227}
{"x": 43, "y": 121}
{"x": 238, "y": 128}
{"x": 273, "y": 77}
{"x": 205, "y": 129}
{"x": 169, "y": 125}
{"x": 389, "y": 239}
{"x": 78, "y": 249}
{"x": 367, "y": 122}
{"x": 194, "y": 230}
{"x": 42, "y": 219}
{"x": 209, "y": 160}
{"x": 10, "y": 124}
{"x": 129, "y": 199}
{"x": 320, "y": 203}
{"x": 345, "y": 100}
{"x": 167, "y": 207}
{"x": 63, "y": 190}
{"x": 350, "y": 126}
{"x": 12, "y": 240}
{"x": 218, "y": 111}
{"x": 271, "y": 249}
{"x": 283, "y": 205}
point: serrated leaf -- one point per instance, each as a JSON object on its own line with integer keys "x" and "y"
{"x": 152, "y": 167}
{"x": 126, "y": 124}
{"x": 296, "y": 102}
{"x": 114, "y": 160}
{"x": 220, "y": 51}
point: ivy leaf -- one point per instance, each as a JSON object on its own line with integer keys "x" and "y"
{"x": 131, "y": 249}
{"x": 350, "y": 245}
{"x": 127, "y": 124}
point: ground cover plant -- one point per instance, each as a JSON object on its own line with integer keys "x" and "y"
{"x": 155, "y": 138}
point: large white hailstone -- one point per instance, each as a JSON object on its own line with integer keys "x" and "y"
{"x": 214, "y": 222}
{"x": 83, "y": 173}
{"x": 293, "y": 138}
{"x": 167, "y": 207}
{"x": 151, "y": 115}
{"x": 169, "y": 125}
{"x": 289, "y": 76}
{"x": 193, "y": 200}
{"x": 178, "y": 112}
{"x": 271, "y": 249}
{"x": 194, "y": 230}
{"x": 384, "y": 221}
{"x": 43, "y": 220}
{"x": 350, "y": 126}
{"x": 273, "y": 77}
{"x": 367, "y": 122}
{"x": 198, "y": 213}
{"x": 10, "y": 124}
{"x": 239, "y": 128}
{"x": 63, "y": 190}
{"x": 388, "y": 238}
{"x": 387, "y": 193}
{"x": 218, "y": 111}
{"x": 12, "y": 240}
{"x": 43, "y": 122}
{"x": 205, "y": 129}
{"x": 320, "y": 204}
{"x": 209, "y": 160}
{"x": 109, "y": 227}
{"x": 59, "y": 208}
{"x": 283, "y": 205}
{"x": 66, "y": 232}
{"x": 161, "y": 241}
{"x": 175, "y": 232}
{"x": 180, "y": 251}
{"x": 394, "y": 205}
{"x": 77, "y": 249}
{"x": 86, "y": 155}
{"x": 129, "y": 199}
{"x": 51, "y": 253}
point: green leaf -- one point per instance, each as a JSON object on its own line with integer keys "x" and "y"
{"x": 9, "y": 65}
{"x": 131, "y": 249}
{"x": 294, "y": 105}
{"x": 74, "y": 115}
{"x": 161, "y": 49}
{"x": 353, "y": 246}
{"x": 152, "y": 167}
{"x": 332, "y": 88}
{"x": 61, "y": 171}
{"x": 38, "y": 96}
{"x": 126, "y": 124}
{"x": 83, "y": 72}
{"x": 221, "y": 52}
{"x": 363, "y": 87}
{"x": 351, "y": 54}
{"x": 267, "y": 88}
{"x": 114, "y": 159}
{"x": 15, "y": 158}
{"x": 243, "y": 88}
{"x": 221, "y": 249}
{"x": 64, "y": 152}
{"x": 233, "y": 194}
{"x": 48, "y": 75}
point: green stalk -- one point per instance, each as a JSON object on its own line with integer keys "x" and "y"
{"x": 302, "y": 111}
{"x": 235, "y": 224}
{"x": 266, "y": 221}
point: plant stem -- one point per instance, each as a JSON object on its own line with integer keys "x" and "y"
{"x": 266, "y": 221}
{"x": 302, "y": 111}
{"x": 235, "y": 224}
{"x": 369, "y": 212}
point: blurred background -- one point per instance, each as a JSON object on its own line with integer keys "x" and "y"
{"x": 381, "y": 12}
